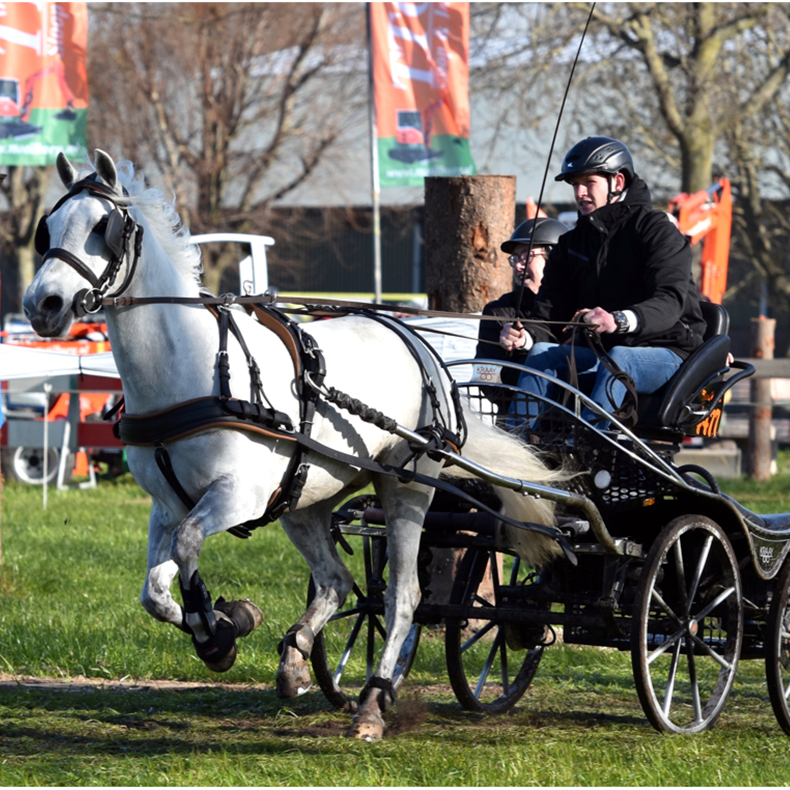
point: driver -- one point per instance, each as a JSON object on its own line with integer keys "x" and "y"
{"x": 624, "y": 268}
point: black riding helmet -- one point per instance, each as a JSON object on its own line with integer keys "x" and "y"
{"x": 598, "y": 155}
{"x": 542, "y": 232}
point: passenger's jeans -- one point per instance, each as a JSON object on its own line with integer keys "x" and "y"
{"x": 650, "y": 368}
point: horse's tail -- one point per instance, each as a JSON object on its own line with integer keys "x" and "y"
{"x": 506, "y": 455}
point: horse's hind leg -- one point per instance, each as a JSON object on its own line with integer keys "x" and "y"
{"x": 404, "y": 508}
{"x": 309, "y": 531}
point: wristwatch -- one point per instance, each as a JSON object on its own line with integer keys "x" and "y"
{"x": 621, "y": 321}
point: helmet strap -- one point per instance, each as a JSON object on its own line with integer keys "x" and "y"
{"x": 613, "y": 193}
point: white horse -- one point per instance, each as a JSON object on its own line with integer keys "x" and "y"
{"x": 167, "y": 354}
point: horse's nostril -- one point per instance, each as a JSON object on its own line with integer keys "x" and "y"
{"x": 52, "y": 304}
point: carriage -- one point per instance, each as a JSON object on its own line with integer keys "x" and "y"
{"x": 594, "y": 531}
{"x": 669, "y": 568}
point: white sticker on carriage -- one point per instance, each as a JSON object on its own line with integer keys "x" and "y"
{"x": 490, "y": 374}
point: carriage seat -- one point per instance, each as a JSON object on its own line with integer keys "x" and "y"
{"x": 665, "y": 410}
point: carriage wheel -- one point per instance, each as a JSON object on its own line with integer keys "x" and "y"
{"x": 688, "y": 626}
{"x": 490, "y": 663}
{"x": 777, "y": 658}
{"x": 346, "y": 650}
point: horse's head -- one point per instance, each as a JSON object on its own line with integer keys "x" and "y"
{"x": 85, "y": 241}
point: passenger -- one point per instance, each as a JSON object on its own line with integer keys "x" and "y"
{"x": 624, "y": 268}
{"x": 505, "y": 341}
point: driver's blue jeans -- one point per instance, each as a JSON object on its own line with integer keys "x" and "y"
{"x": 650, "y": 368}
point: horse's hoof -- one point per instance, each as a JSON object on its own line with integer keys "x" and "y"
{"x": 225, "y": 663}
{"x": 244, "y": 615}
{"x": 293, "y": 675}
{"x": 219, "y": 652}
{"x": 367, "y": 727}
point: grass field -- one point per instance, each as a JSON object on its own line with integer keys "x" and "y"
{"x": 69, "y": 586}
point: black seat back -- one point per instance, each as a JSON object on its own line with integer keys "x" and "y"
{"x": 716, "y": 318}
{"x": 665, "y": 410}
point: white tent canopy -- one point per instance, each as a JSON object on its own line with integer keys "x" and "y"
{"x": 23, "y": 364}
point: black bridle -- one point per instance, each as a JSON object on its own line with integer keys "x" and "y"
{"x": 118, "y": 231}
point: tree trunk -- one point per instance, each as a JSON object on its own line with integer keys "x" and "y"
{"x": 466, "y": 219}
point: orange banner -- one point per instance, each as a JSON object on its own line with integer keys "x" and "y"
{"x": 43, "y": 81}
{"x": 420, "y": 54}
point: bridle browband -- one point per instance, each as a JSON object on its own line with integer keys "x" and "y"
{"x": 120, "y": 228}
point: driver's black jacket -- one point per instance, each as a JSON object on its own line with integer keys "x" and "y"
{"x": 504, "y": 307}
{"x": 623, "y": 256}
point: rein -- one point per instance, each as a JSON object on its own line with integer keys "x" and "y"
{"x": 317, "y": 306}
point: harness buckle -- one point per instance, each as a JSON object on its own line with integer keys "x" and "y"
{"x": 87, "y": 301}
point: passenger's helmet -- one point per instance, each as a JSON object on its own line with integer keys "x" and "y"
{"x": 598, "y": 155}
{"x": 542, "y": 232}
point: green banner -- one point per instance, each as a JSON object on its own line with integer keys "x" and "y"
{"x": 402, "y": 164}
{"x": 43, "y": 136}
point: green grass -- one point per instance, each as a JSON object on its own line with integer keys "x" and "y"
{"x": 69, "y": 587}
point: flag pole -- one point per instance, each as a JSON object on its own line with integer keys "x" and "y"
{"x": 374, "y": 166}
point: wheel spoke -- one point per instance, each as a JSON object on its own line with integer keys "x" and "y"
{"x": 680, "y": 569}
{"x": 487, "y": 666}
{"x": 722, "y": 596}
{"x": 700, "y": 567}
{"x": 514, "y": 571}
{"x": 369, "y": 652}
{"x": 656, "y": 597}
{"x": 503, "y": 661}
{"x": 695, "y": 698}
{"x": 345, "y": 613}
{"x": 711, "y": 652}
{"x": 338, "y": 673}
{"x": 673, "y": 673}
{"x": 475, "y": 638}
{"x": 665, "y": 645}
{"x": 494, "y": 565}
{"x": 787, "y": 692}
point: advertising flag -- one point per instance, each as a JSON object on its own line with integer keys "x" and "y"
{"x": 43, "y": 82}
{"x": 420, "y": 64}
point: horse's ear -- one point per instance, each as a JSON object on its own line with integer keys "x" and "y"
{"x": 66, "y": 171}
{"x": 105, "y": 167}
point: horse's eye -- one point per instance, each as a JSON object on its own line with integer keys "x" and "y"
{"x": 101, "y": 226}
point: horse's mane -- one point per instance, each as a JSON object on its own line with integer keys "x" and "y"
{"x": 162, "y": 220}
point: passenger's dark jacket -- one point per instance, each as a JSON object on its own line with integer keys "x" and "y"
{"x": 624, "y": 256}
{"x": 505, "y": 307}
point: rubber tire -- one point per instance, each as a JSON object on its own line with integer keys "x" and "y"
{"x": 26, "y": 464}
{"x": 360, "y": 626}
{"x": 461, "y": 650}
{"x": 777, "y": 649}
{"x": 667, "y": 682}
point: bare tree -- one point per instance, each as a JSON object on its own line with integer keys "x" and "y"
{"x": 234, "y": 106}
{"x": 23, "y": 193}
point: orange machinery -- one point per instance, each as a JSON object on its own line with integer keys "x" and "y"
{"x": 707, "y": 216}
{"x": 91, "y": 402}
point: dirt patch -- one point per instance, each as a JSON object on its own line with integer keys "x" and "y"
{"x": 81, "y": 683}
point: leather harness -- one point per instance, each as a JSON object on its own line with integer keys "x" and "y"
{"x": 259, "y": 416}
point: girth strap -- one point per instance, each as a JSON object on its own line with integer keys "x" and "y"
{"x": 197, "y": 415}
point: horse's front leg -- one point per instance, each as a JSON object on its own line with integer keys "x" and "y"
{"x": 156, "y": 597}
{"x": 214, "y": 626}
{"x": 404, "y": 512}
{"x": 309, "y": 531}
